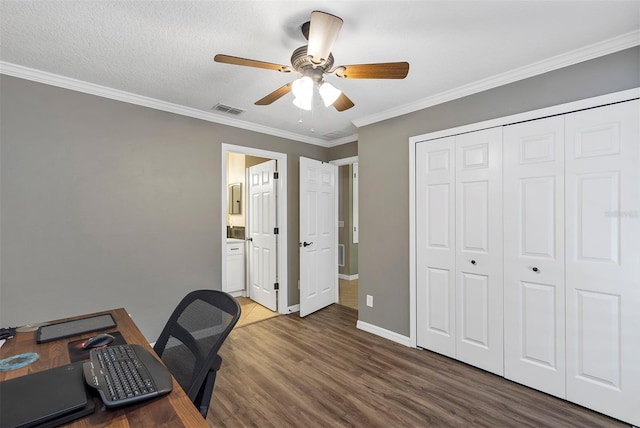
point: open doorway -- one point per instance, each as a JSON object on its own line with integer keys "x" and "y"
{"x": 238, "y": 273}
{"x": 348, "y": 231}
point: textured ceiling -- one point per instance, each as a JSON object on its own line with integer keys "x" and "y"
{"x": 164, "y": 49}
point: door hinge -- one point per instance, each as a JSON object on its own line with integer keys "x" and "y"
{"x": 276, "y": 231}
{"x": 276, "y": 175}
{"x": 276, "y": 286}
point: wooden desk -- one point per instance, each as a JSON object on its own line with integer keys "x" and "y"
{"x": 172, "y": 410}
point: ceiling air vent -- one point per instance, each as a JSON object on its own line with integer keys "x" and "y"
{"x": 334, "y": 135}
{"x": 222, "y": 108}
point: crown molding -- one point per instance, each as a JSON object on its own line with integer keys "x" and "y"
{"x": 586, "y": 53}
{"x": 40, "y": 76}
{"x": 596, "y": 50}
{"x": 344, "y": 140}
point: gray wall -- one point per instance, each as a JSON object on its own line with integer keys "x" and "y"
{"x": 106, "y": 204}
{"x": 384, "y": 197}
{"x": 343, "y": 151}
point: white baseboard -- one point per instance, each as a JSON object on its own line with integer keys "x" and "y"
{"x": 387, "y": 334}
{"x": 240, "y": 293}
{"x": 348, "y": 277}
{"x": 292, "y": 309}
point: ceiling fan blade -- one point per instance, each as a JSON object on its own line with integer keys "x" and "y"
{"x": 323, "y": 31}
{"x": 228, "y": 59}
{"x": 343, "y": 103}
{"x": 386, "y": 70}
{"x": 275, "y": 95}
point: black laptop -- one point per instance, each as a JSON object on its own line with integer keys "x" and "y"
{"x": 45, "y": 399}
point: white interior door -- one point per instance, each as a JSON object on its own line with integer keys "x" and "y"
{"x": 603, "y": 259}
{"x": 534, "y": 292}
{"x": 435, "y": 245}
{"x": 318, "y": 235}
{"x": 262, "y": 237}
{"x": 479, "y": 273}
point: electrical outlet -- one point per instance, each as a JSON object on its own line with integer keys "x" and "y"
{"x": 370, "y": 300}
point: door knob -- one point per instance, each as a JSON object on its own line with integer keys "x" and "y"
{"x": 535, "y": 269}
{"x": 473, "y": 262}
{"x": 306, "y": 244}
{"x": 250, "y": 239}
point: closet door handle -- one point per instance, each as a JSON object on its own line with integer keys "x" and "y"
{"x": 473, "y": 262}
{"x": 306, "y": 244}
{"x": 535, "y": 269}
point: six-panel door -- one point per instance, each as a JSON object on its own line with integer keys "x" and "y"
{"x": 435, "y": 276}
{"x": 318, "y": 236}
{"x": 534, "y": 327}
{"x": 262, "y": 246}
{"x": 479, "y": 311}
{"x": 603, "y": 259}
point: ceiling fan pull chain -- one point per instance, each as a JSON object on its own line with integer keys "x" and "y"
{"x": 313, "y": 116}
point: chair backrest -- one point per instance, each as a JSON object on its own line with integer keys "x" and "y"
{"x": 189, "y": 342}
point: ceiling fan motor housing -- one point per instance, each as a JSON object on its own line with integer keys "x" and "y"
{"x": 301, "y": 62}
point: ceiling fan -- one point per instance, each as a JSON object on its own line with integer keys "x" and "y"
{"x": 313, "y": 61}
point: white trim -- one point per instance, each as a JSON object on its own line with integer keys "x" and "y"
{"x": 520, "y": 117}
{"x": 27, "y": 73}
{"x": 240, "y": 293}
{"x": 344, "y": 140}
{"x": 586, "y": 53}
{"x": 293, "y": 309}
{"x": 355, "y": 203}
{"x": 342, "y": 162}
{"x": 533, "y": 114}
{"x": 595, "y": 50}
{"x": 283, "y": 253}
{"x": 412, "y": 245}
{"x": 386, "y": 334}
{"x": 336, "y": 192}
{"x": 345, "y": 161}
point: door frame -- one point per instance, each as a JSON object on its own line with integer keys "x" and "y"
{"x": 342, "y": 162}
{"x": 281, "y": 214}
{"x": 501, "y": 121}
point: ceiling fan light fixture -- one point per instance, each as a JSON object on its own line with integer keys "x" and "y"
{"x": 323, "y": 32}
{"x": 329, "y": 93}
{"x": 304, "y": 104}
{"x": 302, "y": 89}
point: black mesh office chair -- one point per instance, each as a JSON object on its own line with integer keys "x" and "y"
{"x": 189, "y": 343}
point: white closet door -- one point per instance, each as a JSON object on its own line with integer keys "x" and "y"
{"x": 534, "y": 327}
{"x": 435, "y": 241}
{"x": 479, "y": 311}
{"x": 603, "y": 259}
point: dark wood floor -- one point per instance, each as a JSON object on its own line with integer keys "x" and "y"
{"x": 322, "y": 371}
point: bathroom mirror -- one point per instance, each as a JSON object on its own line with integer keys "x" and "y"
{"x": 235, "y": 198}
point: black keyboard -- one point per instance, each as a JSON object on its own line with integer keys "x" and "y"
{"x": 126, "y": 374}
